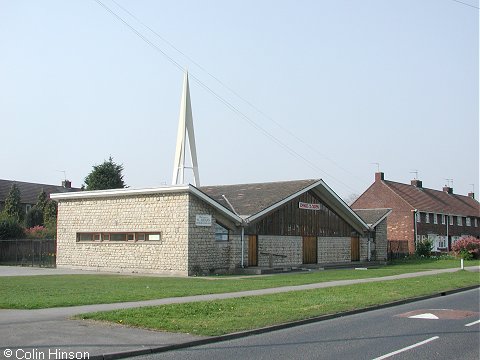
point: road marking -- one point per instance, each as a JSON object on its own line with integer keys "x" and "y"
{"x": 473, "y": 323}
{"x": 424, "y": 316}
{"x": 406, "y": 348}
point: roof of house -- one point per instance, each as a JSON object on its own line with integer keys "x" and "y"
{"x": 373, "y": 216}
{"x": 430, "y": 200}
{"x": 29, "y": 191}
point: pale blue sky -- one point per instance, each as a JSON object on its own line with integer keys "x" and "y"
{"x": 355, "y": 82}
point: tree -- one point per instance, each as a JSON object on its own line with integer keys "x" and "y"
{"x": 34, "y": 217}
{"x": 50, "y": 214}
{"x": 105, "y": 176}
{"x": 42, "y": 200}
{"x": 13, "y": 206}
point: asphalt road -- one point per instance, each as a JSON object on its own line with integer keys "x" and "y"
{"x": 438, "y": 330}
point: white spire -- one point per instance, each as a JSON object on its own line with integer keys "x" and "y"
{"x": 185, "y": 125}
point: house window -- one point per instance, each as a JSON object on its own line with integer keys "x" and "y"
{"x": 221, "y": 232}
{"x": 28, "y": 208}
{"x": 444, "y": 219}
{"x": 417, "y": 215}
{"x": 468, "y": 221}
{"x": 459, "y": 221}
{"x": 475, "y": 222}
{"x": 427, "y": 218}
{"x": 435, "y": 218}
{"x": 450, "y": 217}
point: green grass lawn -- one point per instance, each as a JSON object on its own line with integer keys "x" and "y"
{"x": 33, "y": 292}
{"x": 232, "y": 315}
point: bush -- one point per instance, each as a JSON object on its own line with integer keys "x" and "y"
{"x": 10, "y": 229}
{"x": 39, "y": 232}
{"x": 424, "y": 248}
{"x": 467, "y": 248}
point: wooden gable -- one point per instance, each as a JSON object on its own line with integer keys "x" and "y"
{"x": 305, "y": 215}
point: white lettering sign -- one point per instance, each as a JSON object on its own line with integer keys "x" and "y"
{"x": 203, "y": 220}
{"x": 307, "y": 206}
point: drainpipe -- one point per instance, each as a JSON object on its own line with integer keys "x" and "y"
{"x": 243, "y": 242}
{"x": 369, "y": 251}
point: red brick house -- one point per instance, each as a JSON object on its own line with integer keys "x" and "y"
{"x": 420, "y": 213}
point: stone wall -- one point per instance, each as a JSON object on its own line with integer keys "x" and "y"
{"x": 334, "y": 249}
{"x": 289, "y": 247}
{"x": 381, "y": 242}
{"x": 205, "y": 254}
{"x": 164, "y": 213}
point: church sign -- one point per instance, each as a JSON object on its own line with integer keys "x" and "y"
{"x": 308, "y": 206}
{"x": 203, "y": 220}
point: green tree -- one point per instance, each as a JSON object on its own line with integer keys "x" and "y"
{"x": 13, "y": 206}
{"x": 33, "y": 218}
{"x": 50, "y": 214}
{"x": 42, "y": 200}
{"x": 105, "y": 176}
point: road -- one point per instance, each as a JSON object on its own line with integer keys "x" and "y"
{"x": 440, "y": 328}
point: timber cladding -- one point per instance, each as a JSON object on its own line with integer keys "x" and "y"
{"x": 290, "y": 220}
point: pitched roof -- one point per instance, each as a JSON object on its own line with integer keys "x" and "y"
{"x": 250, "y": 199}
{"x": 373, "y": 216}
{"x": 29, "y": 191}
{"x": 430, "y": 200}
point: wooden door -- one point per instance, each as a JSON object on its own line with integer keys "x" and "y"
{"x": 309, "y": 250}
{"x": 252, "y": 250}
{"x": 355, "y": 248}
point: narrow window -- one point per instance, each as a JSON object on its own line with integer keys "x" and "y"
{"x": 153, "y": 237}
{"x": 221, "y": 232}
{"x": 417, "y": 214}
{"x": 444, "y": 217}
{"x": 468, "y": 222}
{"x": 84, "y": 237}
{"x": 118, "y": 237}
{"x": 450, "y": 219}
{"x": 427, "y": 218}
{"x": 459, "y": 221}
{"x": 475, "y": 221}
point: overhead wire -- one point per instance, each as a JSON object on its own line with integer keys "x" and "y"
{"x": 218, "y": 97}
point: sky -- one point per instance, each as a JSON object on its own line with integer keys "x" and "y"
{"x": 280, "y": 90}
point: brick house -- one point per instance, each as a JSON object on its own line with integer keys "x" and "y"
{"x": 29, "y": 191}
{"x": 185, "y": 230}
{"x": 419, "y": 213}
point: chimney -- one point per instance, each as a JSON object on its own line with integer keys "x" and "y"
{"x": 67, "y": 184}
{"x": 379, "y": 176}
{"x": 448, "y": 189}
{"x": 471, "y": 195}
{"x": 417, "y": 183}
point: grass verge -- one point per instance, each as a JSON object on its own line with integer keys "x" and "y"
{"x": 34, "y": 292}
{"x": 227, "y": 316}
